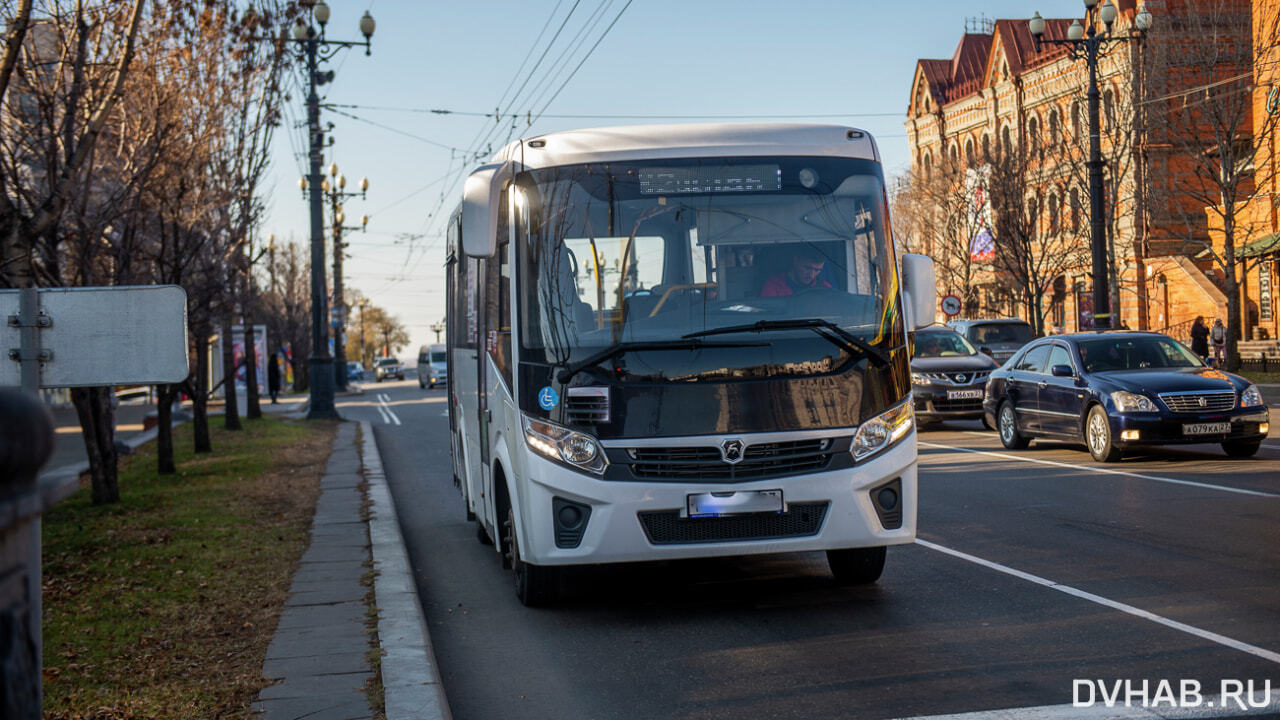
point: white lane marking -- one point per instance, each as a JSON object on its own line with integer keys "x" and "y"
{"x": 1105, "y": 471}
{"x": 1137, "y": 612}
{"x": 385, "y": 399}
{"x": 385, "y": 418}
{"x": 1212, "y": 706}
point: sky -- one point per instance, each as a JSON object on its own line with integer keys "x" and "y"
{"x": 847, "y": 63}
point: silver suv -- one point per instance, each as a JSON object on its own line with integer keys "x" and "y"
{"x": 999, "y": 338}
{"x": 386, "y": 368}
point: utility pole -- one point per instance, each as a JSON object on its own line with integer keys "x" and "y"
{"x": 314, "y": 49}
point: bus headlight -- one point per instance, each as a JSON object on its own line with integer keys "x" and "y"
{"x": 563, "y": 445}
{"x": 882, "y": 431}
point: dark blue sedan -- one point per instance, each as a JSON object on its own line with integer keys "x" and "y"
{"x": 1115, "y": 390}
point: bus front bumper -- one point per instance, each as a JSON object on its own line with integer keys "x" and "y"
{"x": 637, "y": 521}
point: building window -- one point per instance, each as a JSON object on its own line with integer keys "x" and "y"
{"x": 986, "y": 146}
{"x": 1054, "y": 211}
{"x": 1109, "y": 110}
{"x": 968, "y": 151}
{"x": 1075, "y": 119}
{"x": 1033, "y": 134}
{"x": 1054, "y": 128}
{"x": 1006, "y": 145}
{"x": 1075, "y": 210}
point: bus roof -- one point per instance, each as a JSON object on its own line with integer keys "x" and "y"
{"x": 572, "y": 147}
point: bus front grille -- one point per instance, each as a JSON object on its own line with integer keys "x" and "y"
{"x": 764, "y": 460}
{"x": 666, "y": 527}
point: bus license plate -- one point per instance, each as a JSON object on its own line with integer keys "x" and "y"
{"x": 719, "y": 504}
{"x": 966, "y": 394}
{"x": 1218, "y": 428}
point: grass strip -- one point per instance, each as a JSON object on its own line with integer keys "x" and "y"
{"x": 162, "y": 605}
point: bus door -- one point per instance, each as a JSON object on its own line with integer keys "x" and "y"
{"x": 484, "y": 415}
{"x": 469, "y": 382}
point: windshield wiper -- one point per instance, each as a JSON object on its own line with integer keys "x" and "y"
{"x": 618, "y": 348}
{"x": 842, "y": 339}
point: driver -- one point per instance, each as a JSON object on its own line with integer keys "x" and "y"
{"x": 806, "y": 267}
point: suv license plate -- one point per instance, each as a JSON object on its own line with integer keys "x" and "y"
{"x": 719, "y": 504}
{"x": 1219, "y": 428}
{"x": 977, "y": 394}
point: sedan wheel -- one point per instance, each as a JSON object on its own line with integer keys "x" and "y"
{"x": 1007, "y": 419}
{"x": 1097, "y": 435}
{"x": 1242, "y": 448}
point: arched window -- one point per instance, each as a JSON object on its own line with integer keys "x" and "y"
{"x": 927, "y": 163}
{"x": 1109, "y": 110}
{"x": 986, "y": 146}
{"x": 1033, "y": 216}
{"x": 968, "y": 151}
{"x": 955, "y": 156}
{"x": 1054, "y": 211}
{"x": 1055, "y": 127}
{"x": 1076, "y": 210}
{"x": 1033, "y": 134}
{"x": 1006, "y": 144}
{"x": 1076, "y": 128}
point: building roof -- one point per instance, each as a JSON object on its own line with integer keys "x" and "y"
{"x": 973, "y": 65}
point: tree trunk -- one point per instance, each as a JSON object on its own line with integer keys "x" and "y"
{"x": 253, "y": 409}
{"x": 200, "y": 393}
{"x": 226, "y": 339}
{"x": 97, "y": 423}
{"x": 164, "y": 430}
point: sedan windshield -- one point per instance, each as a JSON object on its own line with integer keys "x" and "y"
{"x": 942, "y": 344}
{"x": 1135, "y": 353}
{"x": 644, "y": 253}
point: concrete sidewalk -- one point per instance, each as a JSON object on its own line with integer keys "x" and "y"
{"x": 322, "y": 647}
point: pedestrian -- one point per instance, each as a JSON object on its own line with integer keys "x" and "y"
{"x": 273, "y": 377}
{"x": 1200, "y": 338}
{"x": 1218, "y": 336}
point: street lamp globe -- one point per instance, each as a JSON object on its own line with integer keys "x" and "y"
{"x": 1108, "y": 13}
{"x": 1076, "y": 31}
{"x": 364, "y": 220}
{"x": 1143, "y": 19}
{"x": 342, "y": 181}
{"x": 324, "y": 185}
{"x": 339, "y": 217}
{"x": 333, "y": 168}
{"x": 1036, "y": 24}
{"x": 364, "y": 184}
{"x": 299, "y": 30}
{"x": 302, "y": 184}
{"x": 321, "y": 12}
{"x": 367, "y": 25}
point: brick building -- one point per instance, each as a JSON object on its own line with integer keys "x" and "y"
{"x": 997, "y": 94}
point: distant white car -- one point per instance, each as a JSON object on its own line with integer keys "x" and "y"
{"x": 386, "y": 368}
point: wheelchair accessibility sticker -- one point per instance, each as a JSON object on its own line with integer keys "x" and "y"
{"x": 547, "y": 398}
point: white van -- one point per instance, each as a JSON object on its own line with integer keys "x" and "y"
{"x": 432, "y": 368}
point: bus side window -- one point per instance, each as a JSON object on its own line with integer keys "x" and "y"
{"x": 498, "y": 298}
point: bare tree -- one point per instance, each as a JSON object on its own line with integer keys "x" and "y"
{"x": 1204, "y": 110}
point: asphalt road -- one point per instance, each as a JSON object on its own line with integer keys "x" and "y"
{"x": 1034, "y": 569}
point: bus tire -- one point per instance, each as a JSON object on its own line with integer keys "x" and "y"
{"x": 536, "y": 585}
{"x": 856, "y": 566}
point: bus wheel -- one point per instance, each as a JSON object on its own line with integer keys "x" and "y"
{"x": 536, "y": 585}
{"x": 856, "y": 566}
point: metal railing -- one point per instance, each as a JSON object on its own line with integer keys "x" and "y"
{"x": 1180, "y": 332}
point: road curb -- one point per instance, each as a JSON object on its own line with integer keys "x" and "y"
{"x": 410, "y": 676}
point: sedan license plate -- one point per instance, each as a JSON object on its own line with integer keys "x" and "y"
{"x": 1218, "y": 428}
{"x": 976, "y": 394}
{"x": 719, "y": 504}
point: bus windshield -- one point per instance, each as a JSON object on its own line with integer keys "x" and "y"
{"x": 662, "y": 250}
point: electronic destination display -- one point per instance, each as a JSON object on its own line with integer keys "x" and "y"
{"x": 720, "y": 179}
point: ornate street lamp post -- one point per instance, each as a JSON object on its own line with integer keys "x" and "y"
{"x": 337, "y": 192}
{"x": 1088, "y": 43}
{"x": 314, "y": 48}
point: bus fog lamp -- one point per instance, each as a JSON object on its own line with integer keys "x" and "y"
{"x": 888, "y": 498}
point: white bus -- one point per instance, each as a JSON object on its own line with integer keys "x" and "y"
{"x": 683, "y": 341}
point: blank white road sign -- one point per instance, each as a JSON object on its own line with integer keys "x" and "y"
{"x": 128, "y": 335}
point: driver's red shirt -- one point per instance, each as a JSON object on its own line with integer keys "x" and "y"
{"x": 780, "y": 286}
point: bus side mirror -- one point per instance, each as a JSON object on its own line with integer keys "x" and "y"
{"x": 480, "y": 196}
{"x": 919, "y": 291}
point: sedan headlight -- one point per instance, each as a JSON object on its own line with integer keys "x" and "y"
{"x": 564, "y": 445}
{"x": 1251, "y": 397}
{"x": 1127, "y": 402}
{"x": 882, "y": 431}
